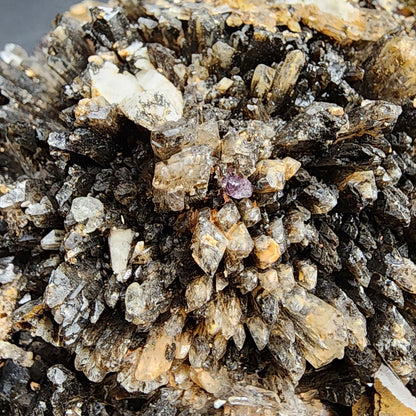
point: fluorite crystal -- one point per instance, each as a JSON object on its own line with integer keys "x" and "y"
{"x": 209, "y": 208}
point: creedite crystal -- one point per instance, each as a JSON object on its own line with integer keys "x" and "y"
{"x": 209, "y": 208}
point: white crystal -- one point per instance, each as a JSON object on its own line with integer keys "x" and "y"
{"x": 14, "y": 197}
{"x": 148, "y": 99}
{"x": 88, "y": 209}
{"x": 52, "y": 240}
{"x": 7, "y": 270}
{"x": 119, "y": 243}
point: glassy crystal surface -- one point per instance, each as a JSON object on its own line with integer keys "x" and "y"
{"x": 209, "y": 208}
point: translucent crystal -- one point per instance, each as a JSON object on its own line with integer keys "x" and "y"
{"x": 228, "y": 216}
{"x": 356, "y": 262}
{"x": 295, "y": 224}
{"x": 287, "y": 76}
{"x": 247, "y": 280}
{"x": 307, "y": 274}
{"x": 270, "y": 175}
{"x": 97, "y": 114}
{"x": 390, "y": 76}
{"x": 146, "y": 368}
{"x": 277, "y": 231}
{"x": 185, "y": 172}
{"x": 321, "y": 198}
{"x": 291, "y": 167}
{"x": 41, "y": 213}
{"x": 103, "y": 347}
{"x": 360, "y": 188}
{"x": 172, "y": 137}
{"x": 286, "y": 276}
{"x": 311, "y": 129}
{"x": 266, "y": 250}
{"x": 238, "y": 149}
{"x": 259, "y": 331}
{"x": 224, "y": 52}
{"x": 394, "y": 338}
{"x": 88, "y": 210}
{"x": 208, "y": 246}
{"x": 15, "y": 353}
{"x": 269, "y": 280}
{"x": 323, "y": 330}
{"x": 70, "y": 293}
{"x": 8, "y": 271}
{"x": 401, "y": 270}
{"x": 262, "y": 80}
{"x": 250, "y": 212}
{"x": 240, "y": 243}
{"x": 372, "y": 117}
{"x": 14, "y": 197}
{"x": 198, "y": 292}
{"x": 144, "y": 302}
{"x": 268, "y": 304}
{"x": 199, "y": 351}
{"x": 52, "y": 240}
{"x": 354, "y": 320}
{"x": 287, "y": 354}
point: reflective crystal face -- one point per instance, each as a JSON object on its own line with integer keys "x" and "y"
{"x": 209, "y": 208}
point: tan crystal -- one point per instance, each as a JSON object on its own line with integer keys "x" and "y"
{"x": 392, "y": 397}
{"x": 269, "y": 280}
{"x": 342, "y": 20}
{"x": 198, "y": 292}
{"x": 308, "y": 274}
{"x": 403, "y": 271}
{"x": 364, "y": 183}
{"x": 392, "y": 77}
{"x": 15, "y": 353}
{"x": 8, "y": 299}
{"x": 259, "y": 331}
{"x": 185, "y": 172}
{"x": 266, "y": 251}
{"x": 270, "y": 175}
{"x": 240, "y": 243}
{"x": 325, "y": 335}
{"x": 287, "y": 75}
{"x": 208, "y": 246}
{"x": 205, "y": 380}
{"x": 262, "y": 80}
{"x": 291, "y": 167}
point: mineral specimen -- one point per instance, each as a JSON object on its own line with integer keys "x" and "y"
{"x": 209, "y": 208}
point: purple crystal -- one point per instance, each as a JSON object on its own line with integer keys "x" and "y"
{"x": 238, "y": 187}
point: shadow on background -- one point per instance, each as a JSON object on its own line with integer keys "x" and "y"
{"x": 25, "y": 21}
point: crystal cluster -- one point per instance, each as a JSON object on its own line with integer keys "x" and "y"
{"x": 209, "y": 208}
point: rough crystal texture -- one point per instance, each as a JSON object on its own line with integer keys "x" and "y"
{"x": 119, "y": 244}
{"x": 390, "y": 77}
{"x": 185, "y": 173}
{"x": 70, "y": 292}
{"x": 393, "y": 397}
{"x": 327, "y": 335}
{"x": 209, "y": 208}
{"x": 208, "y": 246}
{"x": 238, "y": 187}
{"x": 148, "y": 99}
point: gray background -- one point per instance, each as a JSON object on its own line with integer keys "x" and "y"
{"x": 25, "y": 21}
